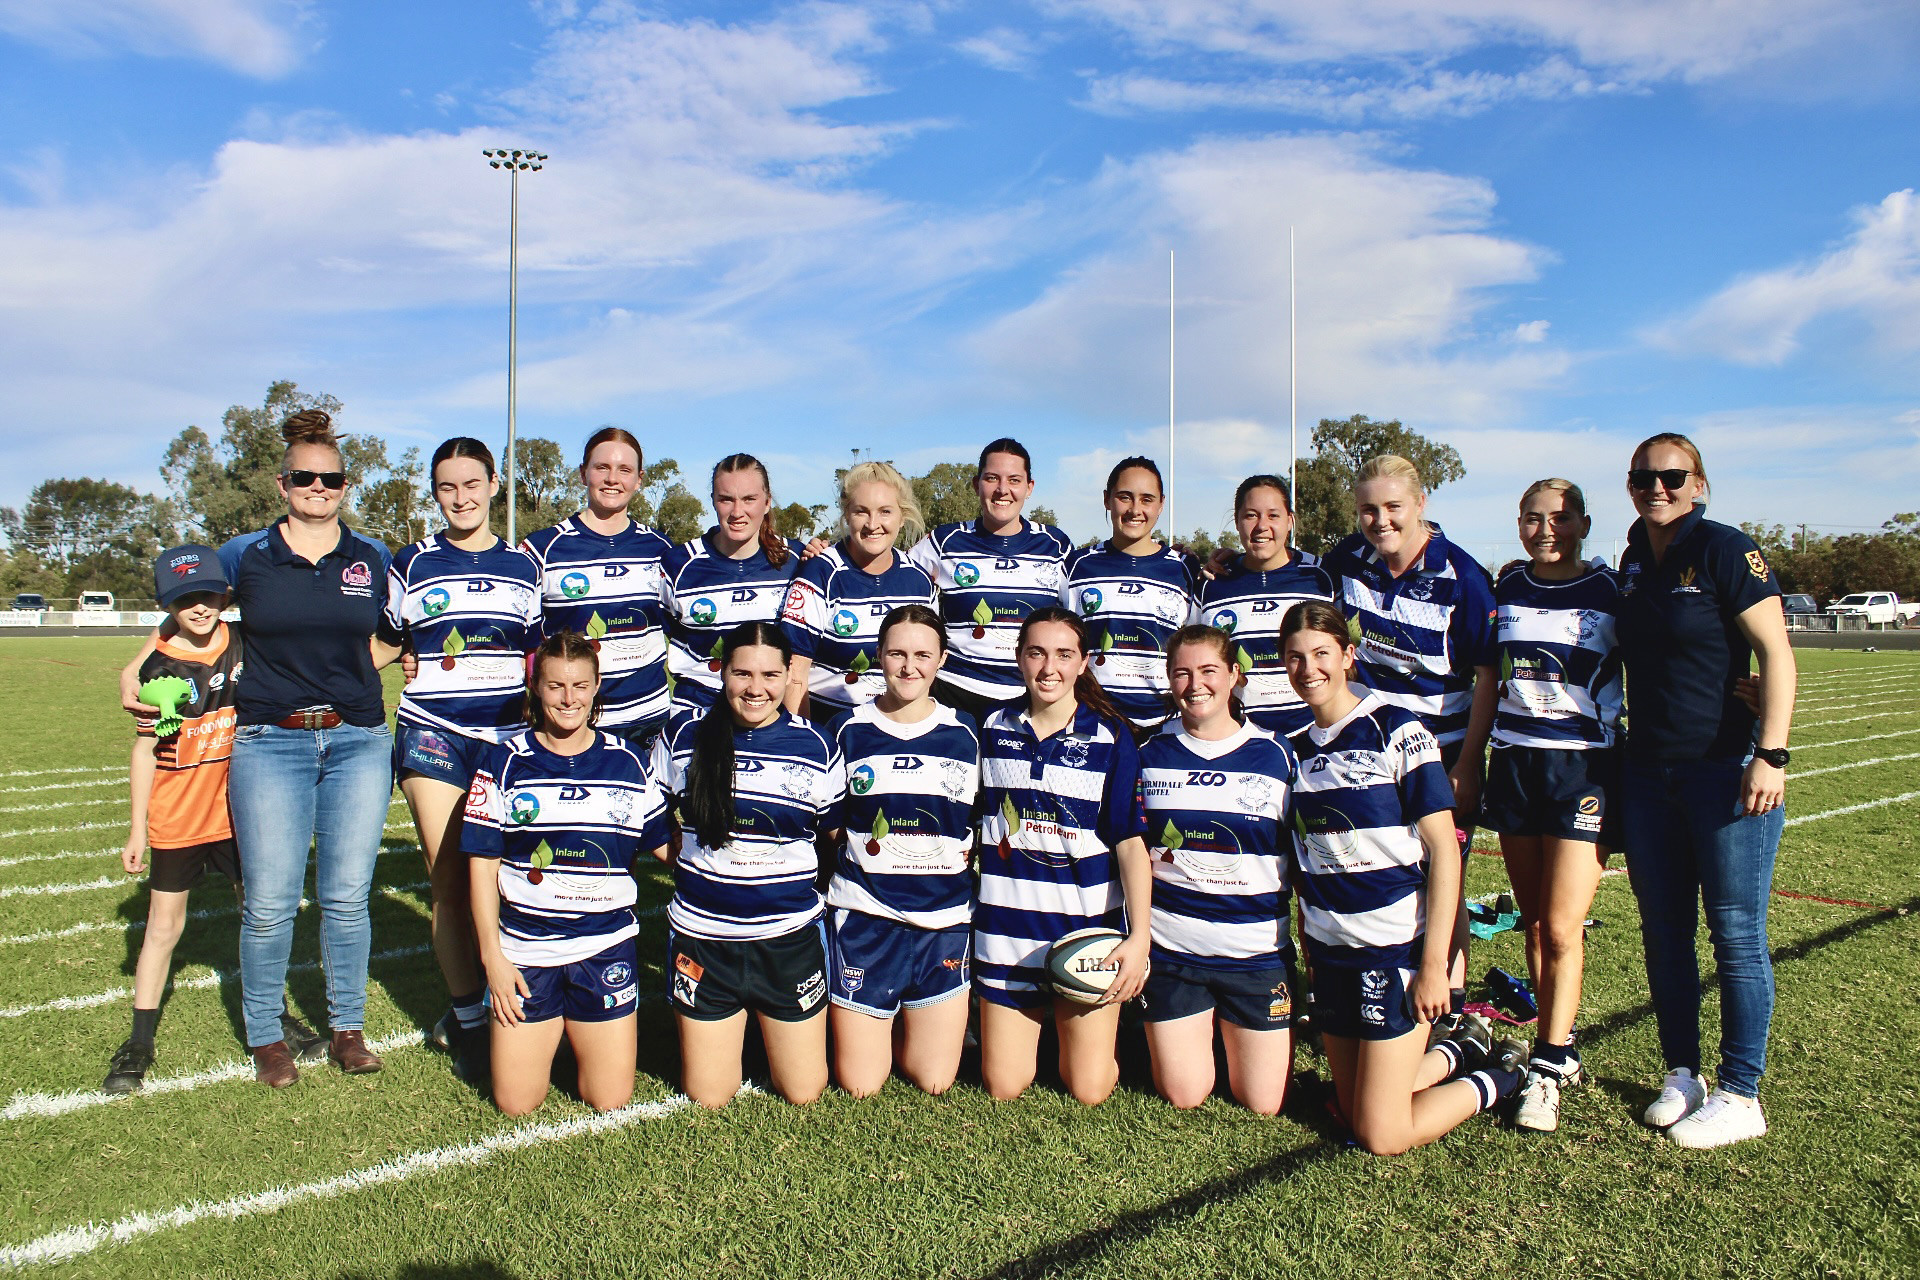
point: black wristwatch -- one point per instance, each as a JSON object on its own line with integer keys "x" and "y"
{"x": 1777, "y": 756}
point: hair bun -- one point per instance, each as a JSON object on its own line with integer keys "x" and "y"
{"x": 309, "y": 426}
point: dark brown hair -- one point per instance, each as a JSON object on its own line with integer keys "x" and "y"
{"x": 564, "y": 646}
{"x": 309, "y": 426}
{"x": 1317, "y": 615}
{"x": 772, "y": 545}
{"x": 1251, "y": 483}
{"x": 707, "y": 804}
{"x": 905, "y": 613}
{"x": 619, "y": 435}
{"x": 461, "y": 447}
{"x": 1087, "y": 688}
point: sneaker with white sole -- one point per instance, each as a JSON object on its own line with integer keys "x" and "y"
{"x": 1538, "y": 1106}
{"x": 1722, "y": 1120}
{"x": 1681, "y": 1094}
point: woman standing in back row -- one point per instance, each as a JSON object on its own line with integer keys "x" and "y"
{"x": 1704, "y": 783}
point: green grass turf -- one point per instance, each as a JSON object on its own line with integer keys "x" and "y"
{"x": 907, "y": 1185}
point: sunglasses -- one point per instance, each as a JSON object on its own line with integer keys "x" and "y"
{"x": 1672, "y": 478}
{"x": 330, "y": 479}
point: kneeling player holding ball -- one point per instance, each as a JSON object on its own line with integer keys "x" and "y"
{"x": 1379, "y": 884}
{"x": 554, "y": 821}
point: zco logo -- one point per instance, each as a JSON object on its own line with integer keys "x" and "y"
{"x": 1203, "y": 778}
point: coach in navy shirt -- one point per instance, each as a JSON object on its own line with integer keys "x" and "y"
{"x": 1704, "y": 781}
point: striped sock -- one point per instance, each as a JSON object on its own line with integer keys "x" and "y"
{"x": 469, "y": 1011}
{"x": 1454, "y": 1054}
{"x": 1492, "y": 1084}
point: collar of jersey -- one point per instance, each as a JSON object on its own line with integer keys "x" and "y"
{"x": 1433, "y": 556}
{"x": 1086, "y": 724}
{"x": 283, "y": 554}
{"x": 1369, "y": 703}
{"x": 1688, "y": 524}
{"x": 868, "y": 713}
{"x": 1214, "y": 750}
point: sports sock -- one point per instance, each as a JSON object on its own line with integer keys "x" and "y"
{"x": 469, "y": 1010}
{"x": 1559, "y": 1058}
{"x": 146, "y": 1023}
{"x": 1457, "y": 1000}
{"x": 1492, "y": 1084}
{"x": 1454, "y": 1054}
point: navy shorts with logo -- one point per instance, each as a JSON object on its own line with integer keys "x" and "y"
{"x": 784, "y": 978}
{"x": 1363, "y": 1004}
{"x": 439, "y": 754}
{"x": 1257, "y": 999}
{"x": 1542, "y": 791}
{"x": 178, "y": 870}
{"x": 881, "y": 966}
{"x": 597, "y": 989}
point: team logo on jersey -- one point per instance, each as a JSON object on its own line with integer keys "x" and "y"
{"x": 795, "y": 609}
{"x": 1757, "y": 565}
{"x": 702, "y": 612}
{"x": 435, "y": 602}
{"x": 1685, "y": 584}
{"x": 845, "y": 622}
{"x": 524, "y": 807}
{"x": 1226, "y": 620}
{"x": 1074, "y": 752}
{"x": 811, "y": 990}
{"x": 357, "y": 575}
{"x": 1090, "y": 600}
{"x": 861, "y": 779}
{"x": 618, "y": 974}
{"x": 965, "y": 574}
{"x": 851, "y": 978}
{"x": 1281, "y": 1004}
{"x": 1373, "y": 984}
{"x": 575, "y": 585}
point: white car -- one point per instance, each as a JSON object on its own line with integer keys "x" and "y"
{"x": 1876, "y": 608}
{"x": 96, "y": 602}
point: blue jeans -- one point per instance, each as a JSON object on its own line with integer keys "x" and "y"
{"x": 293, "y": 789}
{"x": 1690, "y": 844}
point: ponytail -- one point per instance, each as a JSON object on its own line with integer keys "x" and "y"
{"x": 707, "y": 805}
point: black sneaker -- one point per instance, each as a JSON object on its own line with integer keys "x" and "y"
{"x": 440, "y": 1035}
{"x": 303, "y": 1042}
{"x": 472, "y": 1049}
{"x": 128, "y": 1070}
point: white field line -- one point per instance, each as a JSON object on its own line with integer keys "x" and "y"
{"x": 82, "y": 886}
{"x": 63, "y": 804}
{"x": 398, "y": 892}
{"x": 75, "y": 1242}
{"x": 1872, "y": 674}
{"x": 1857, "y": 764}
{"x": 1847, "y": 742}
{"x": 120, "y": 768}
{"x": 1844, "y": 706}
{"x": 63, "y": 856}
{"x": 99, "y": 826}
{"x": 1902, "y": 798}
{"x": 64, "y": 786}
{"x": 1874, "y": 669}
{"x": 217, "y": 978}
{"x": 1871, "y": 715}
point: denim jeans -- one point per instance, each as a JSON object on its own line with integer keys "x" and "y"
{"x": 1689, "y": 844}
{"x": 293, "y": 789}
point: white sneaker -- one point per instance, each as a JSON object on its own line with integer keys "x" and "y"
{"x": 1539, "y": 1105}
{"x": 1681, "y": 1094}
{"x": 1724, "y": 1119}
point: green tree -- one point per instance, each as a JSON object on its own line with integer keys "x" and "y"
{"x": 946, "y": 493}
{"x": 667, "y": 504}
{"x": 547, "y": 488}
{"x": 797, "y": 520}
{"x": 396, "y": 503}
{"x": 88, "y": 535}
{"x": 226, "y": 488}
{"x": 1203, "y": 544}
{"x": 1323, "y": 507}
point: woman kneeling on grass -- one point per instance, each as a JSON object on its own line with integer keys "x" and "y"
{"x": 1061, "y": 849}
{"x": 554, "y": 821}
{"x": 1379, "y": 884}
{"x": 1216, "y": 790}
{"x": 757, "y": 788}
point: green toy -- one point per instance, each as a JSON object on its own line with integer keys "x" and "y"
{"x": 166, "y": 693}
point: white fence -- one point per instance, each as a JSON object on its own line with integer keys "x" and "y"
{"x": 90, "y": 617}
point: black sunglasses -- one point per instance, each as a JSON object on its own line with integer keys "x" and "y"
{"x": 1672, "y": 478}
{"x": 301, "y": 479}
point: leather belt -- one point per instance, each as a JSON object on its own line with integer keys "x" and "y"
{"x": 318, "y": 718}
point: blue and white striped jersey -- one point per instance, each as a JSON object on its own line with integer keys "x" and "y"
{"x": 788, "y": 783}
{"x": 988, "y": 584}
{"x": 566, "y": 830}
{"x": 1132, "y": 605}
{"x": 707, "y": 595}
{"x": 607, "y": 588}
{"x": 1248, "y": 605}
{"x": 1051, "y": 812}
{"x": 1422, "y": 633}
{"x": 1363, "y": 786}
{"x": 1217, "y": 827}
{"x": 1559, "y": 660}
{"x": 908, "y": 852}
{"x": 833, "y": 615}
{"x": 471, "y": 617}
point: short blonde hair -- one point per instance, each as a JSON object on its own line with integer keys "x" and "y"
{"x": 1390, "y": 466}
{"x": 1554, "y": 484}
{"x": 912, "y": 522}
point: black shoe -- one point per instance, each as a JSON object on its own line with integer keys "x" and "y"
{"x": 472, "y": 1049}
{"x": 302, "y": 1041}
{"x": 128, "y": 1070}
{"x": 441, "y": 1034}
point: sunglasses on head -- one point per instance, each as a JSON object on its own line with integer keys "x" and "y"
{"x": 1671, "y": 478}
{"x": 330, "y": 479}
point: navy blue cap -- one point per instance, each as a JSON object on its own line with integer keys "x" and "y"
{"x": 186, "y": 569}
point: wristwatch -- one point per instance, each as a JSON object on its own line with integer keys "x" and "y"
{"x": 1776, "y": 756}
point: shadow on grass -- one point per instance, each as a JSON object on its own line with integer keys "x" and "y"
{"x": 1090, "y": 1245}
{"x": 471, "y": 1269}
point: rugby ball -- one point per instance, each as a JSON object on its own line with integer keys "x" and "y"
{"x": 1078, "y": 964}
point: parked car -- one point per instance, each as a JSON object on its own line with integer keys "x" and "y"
{"x": 1876, "y": 608}
{"x": 30, "y": 602}
{"x": 1799, "y": 602}
{"x": 96, "y": 602}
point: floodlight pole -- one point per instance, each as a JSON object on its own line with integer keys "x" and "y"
{"x": 1173, "y": 530}
{"x": 1293, "y": 387}
{"x": 515, "y": 162}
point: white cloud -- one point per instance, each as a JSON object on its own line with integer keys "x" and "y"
{"x": 1531, "y": 332}
{"x": 254, "y": 37}
{"x": 1873, "y": 275}
{"x": 1002, "y": 48}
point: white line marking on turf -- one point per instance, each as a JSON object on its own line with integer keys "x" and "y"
{"x": 1871, "y": 715}
{"x": 1798, "y": 747}
{"x": 48, "y": 773}
{"x": 1881, "y": 701}
{"x": 201, "y": 983}
{"x": 1855, "y": 808}
{"x": 101, "y": 826}
{"x": 1857, "y": 764}
{"x": 64, "y": 786}
{"x": 75, "y": 1242}
{"x": 395, "y": 891}
{"x": 62, "y": 856}
{"x": 64, "y": 804}
{"x": 76, "y": 886}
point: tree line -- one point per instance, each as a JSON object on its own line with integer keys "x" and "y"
{"x": 75, "y": 535}
{"x": 1827, "y": 568}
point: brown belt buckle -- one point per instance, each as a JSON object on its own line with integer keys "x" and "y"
{"x": 313, "y": 719}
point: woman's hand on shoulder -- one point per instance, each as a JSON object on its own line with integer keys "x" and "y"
{"x": 814, "y": 547}
{"x": 1217, "y": 564}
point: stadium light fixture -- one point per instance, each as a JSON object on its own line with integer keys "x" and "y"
{"x": 516, "y": 162}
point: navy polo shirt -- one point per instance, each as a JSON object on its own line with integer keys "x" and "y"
{"x": 1682, "y": 648}
{"x": 306, "y": 626}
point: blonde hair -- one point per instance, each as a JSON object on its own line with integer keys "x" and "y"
{"x": 1390, "y": 466}
{"x": 1681, "y": 443}
{"x": 913, "y": 522}
{"x": 1554, "y": 484}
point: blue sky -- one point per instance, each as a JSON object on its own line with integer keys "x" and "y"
{"x": 1539, "y": 230}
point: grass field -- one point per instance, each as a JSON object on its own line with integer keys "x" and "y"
{"x": 410, "y": 1173}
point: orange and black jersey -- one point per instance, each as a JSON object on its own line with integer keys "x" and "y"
{"x": 189, "y": 804}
